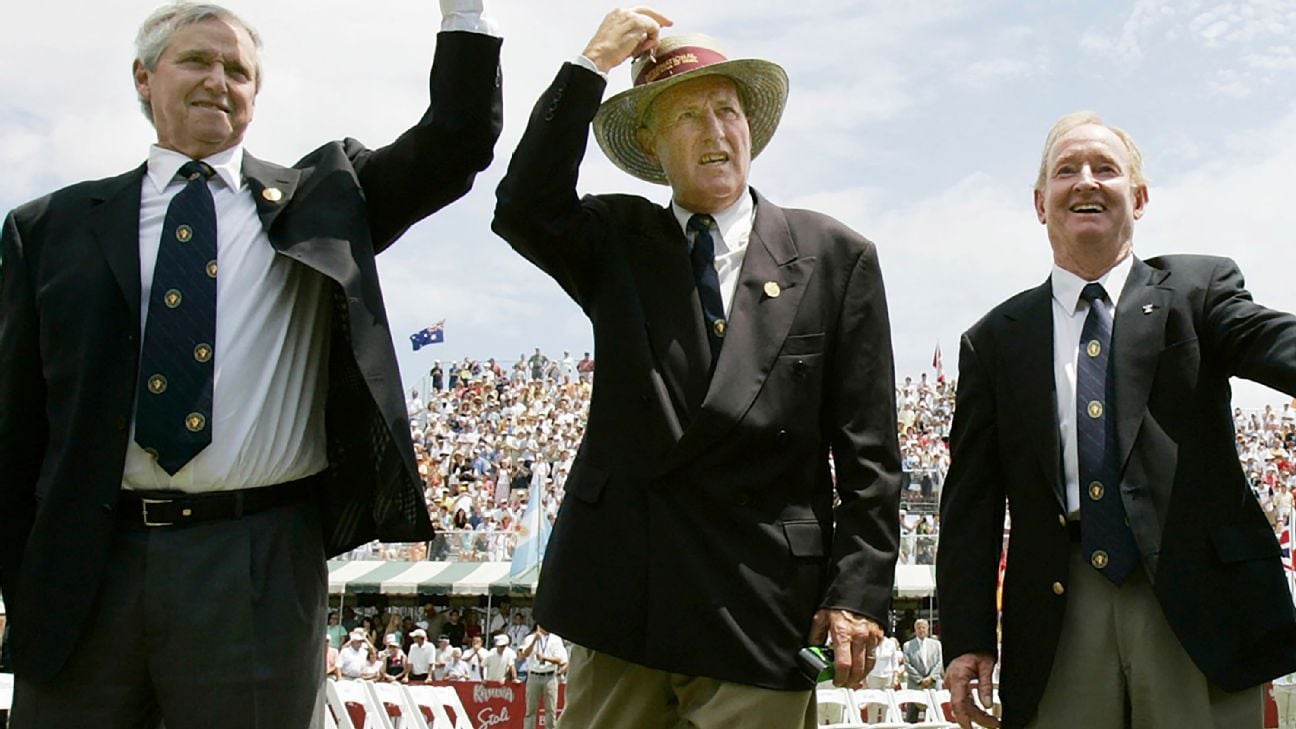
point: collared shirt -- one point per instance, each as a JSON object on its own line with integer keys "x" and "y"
{"x": 466, "y": 15}
{"x": 732, "y": 231}
{"x": 353, "y": 661}
{"x": 1069, "y": 313}
{"x": 421, "y": 657}
{"x": 272, "y": 339}
{"x": 548, "y": 645}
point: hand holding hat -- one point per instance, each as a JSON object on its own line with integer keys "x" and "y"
{"x": 625, "y": 33}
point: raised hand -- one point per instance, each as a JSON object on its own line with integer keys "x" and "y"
{"x": 625, "y": 33}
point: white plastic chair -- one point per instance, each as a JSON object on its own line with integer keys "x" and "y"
{"x": 837, "y": 709}
{"x": 932, "y": 715}
{"x": 392, "y": 700}
{"x": 435, "y": 700}
{"x": 450, "y": 700}
{"x": 344, "y": 694}
{"x": 6, "y": 691}
{"x": 877, "y": 709}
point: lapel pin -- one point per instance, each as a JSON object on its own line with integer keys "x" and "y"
{"x": 272, "y": 194}
{"x": 1147, "y": 308}
{"x": 772, "y": 289}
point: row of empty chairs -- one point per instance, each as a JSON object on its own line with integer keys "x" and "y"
{"x": 375, "y": 705}
{"x": 843, "y": 708}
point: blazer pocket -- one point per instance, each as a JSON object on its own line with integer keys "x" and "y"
{"x": 802, "y": 344}
{"x": 1240, "y": 543}
{"x": 586, "y": 481}
{"x": 805, "y": 538}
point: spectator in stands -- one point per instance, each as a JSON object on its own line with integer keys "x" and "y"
{"x": 546, "y": 655}
{"x": 1284, "y": 692}
{"x": 476, "y": 656}
{"x": 519, "y": 630}
{"x": 886, "y": 668}
{"x": 373, "y": 670}
{"x": 441, "y": 662}
{"x": 502, "y": 618}
{"x": 395, "y": 664}
{"x": 420, "y": 658}
{"x": 454, "y": 629}
{"x": 331, "y": 667}
{"x": 353, "y": 658}
{"x": 500, "y": 664}
{"x": 438, "y": 378}
{"x": 923, "y": 663}
{"x": 337, "y": 634}
{"x": 586, "y": 367}
{"x": 458, "y": 669}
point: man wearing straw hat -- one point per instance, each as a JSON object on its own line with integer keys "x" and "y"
{"x": 698, "y": 547}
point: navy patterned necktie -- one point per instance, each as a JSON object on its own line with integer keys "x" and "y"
{"x": 174, "y": 395}
{"x": 1105, "y": 535}
{"x": 702, "y": 257}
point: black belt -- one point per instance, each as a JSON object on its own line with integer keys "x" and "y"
{"x": 151, "y": 509}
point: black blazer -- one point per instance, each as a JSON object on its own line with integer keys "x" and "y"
{"x": 69, "y": 350}
{"x": 699, "y": 532}
{"x": 1183, "y": 326}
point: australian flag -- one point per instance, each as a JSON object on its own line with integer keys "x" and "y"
{"x": 434, "y": 334}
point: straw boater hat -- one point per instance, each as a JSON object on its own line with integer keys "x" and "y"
{"x": 762, "y": 86}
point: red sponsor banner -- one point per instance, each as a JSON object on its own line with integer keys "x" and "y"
{"x": 499, "y": 705}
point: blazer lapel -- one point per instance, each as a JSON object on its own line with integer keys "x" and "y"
{"x": 114, "y": 223}
{"x": 272, "y": 188}
{"x": 1028, "y": 359}
{"x": 672, "y": 316}
{"x": 757, "y": 325}
{"x": 1138, "y": 335}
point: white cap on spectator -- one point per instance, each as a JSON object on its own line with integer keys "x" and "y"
{"x": 418, "y": 633}
{"x": 501, "y": 639}
{"x": 391, "y": 639}
{"x": 357, "y": 634}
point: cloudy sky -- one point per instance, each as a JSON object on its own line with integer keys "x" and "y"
{"x": 919, "y": 124}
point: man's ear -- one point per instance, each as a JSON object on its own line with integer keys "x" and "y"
{"x": 1140, "y": 200}
{"x": 646, "y": 140}
{"x": 141, "y": 76}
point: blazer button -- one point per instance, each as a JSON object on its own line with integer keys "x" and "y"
{"x": 1058, "y": 589}
{"x": 743, "y": 499}
{"x": 799, "y": 369}
{"x": 782, "y": 437}
{"x": 120, "y": 422}
{"x": 1062, "y": 519}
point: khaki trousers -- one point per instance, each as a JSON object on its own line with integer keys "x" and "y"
{"x": 1117, "y": 654}
{"x": 604, "y": 692}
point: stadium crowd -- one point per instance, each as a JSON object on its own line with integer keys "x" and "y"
{"x": 485, "y": 432}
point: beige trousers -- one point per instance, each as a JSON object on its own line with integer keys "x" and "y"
{"x": 604, "y": 692}
{"x": 1116, "y": 647}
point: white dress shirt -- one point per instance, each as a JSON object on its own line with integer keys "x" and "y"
{"x": 731, "y": 232}
{"x": 272, "y": 339}
{"x": 1069, "y": 313}
{"x": 466, "y": 15}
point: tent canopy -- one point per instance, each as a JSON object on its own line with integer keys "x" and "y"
{"x": 378, "y": 577}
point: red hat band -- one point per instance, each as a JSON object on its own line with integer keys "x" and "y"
{"x": 677, "y": 61}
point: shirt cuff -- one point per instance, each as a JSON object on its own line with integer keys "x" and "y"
{"x": 584, "y": 62}
{"x": 466, "y": 15}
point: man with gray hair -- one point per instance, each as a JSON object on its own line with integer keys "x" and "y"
{"x": 199, "y": 398}
{"x": 703, "y": 541}
{"x": 1144, "y": 586}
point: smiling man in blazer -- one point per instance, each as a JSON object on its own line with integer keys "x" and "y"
{"x": 199, "y": 399}
{"x": 739, "y": 343}
{"x": 1143, "y": 586}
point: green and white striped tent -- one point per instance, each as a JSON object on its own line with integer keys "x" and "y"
{"x": 387, "y": 577}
